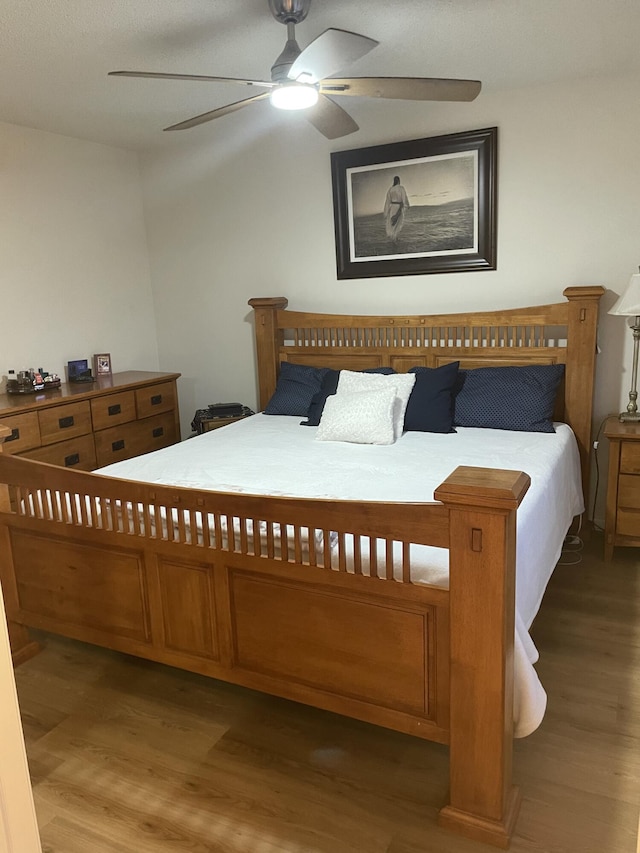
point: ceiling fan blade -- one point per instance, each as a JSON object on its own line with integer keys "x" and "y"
{"x": 221, "y": 111}
{"x": 154, "y": 74}
{"x": 404, "y": 88}
{"x": 330, "y": 119}
{"x": 329, "y": 53}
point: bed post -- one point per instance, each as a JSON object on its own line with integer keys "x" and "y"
{"x": 267, "y": 342}
{"x": 22, "y": 646}
{"x": 483, "y": 803}
{"x": 581, "y": 362}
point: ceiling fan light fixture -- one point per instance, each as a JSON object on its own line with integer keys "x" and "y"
{"x": 294, "y": 96}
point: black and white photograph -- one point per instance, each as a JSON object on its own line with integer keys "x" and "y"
{"x": 416, "y": 207}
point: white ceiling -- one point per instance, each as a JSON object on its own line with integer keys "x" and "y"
{"x": 55, "y": 54}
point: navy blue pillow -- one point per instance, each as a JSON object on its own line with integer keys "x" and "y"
{"x": 328, "y": 388}
{"x": 514, "y": 398}
{"x": 296, "y": 385}
{"x": 430, "y": 406}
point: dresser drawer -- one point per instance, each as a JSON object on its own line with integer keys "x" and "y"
{"x": 25, "y": 432}
{"x": 74, "y": 453}
{"x": 630, "y": 457}
{"x": 155, "y": 399}
{"x": 64, "y": 422}
{"x": 113, "y": 409}
{"x": 133, "y": 439}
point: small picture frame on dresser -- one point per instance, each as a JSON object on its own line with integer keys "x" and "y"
{"x": 102, "y": 364}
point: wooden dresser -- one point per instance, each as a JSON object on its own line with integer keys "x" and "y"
{"x": 88, "y": 425}
{"x": 622, "y": 521}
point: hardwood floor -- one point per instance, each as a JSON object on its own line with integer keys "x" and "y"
{"x": 128, "y": 756}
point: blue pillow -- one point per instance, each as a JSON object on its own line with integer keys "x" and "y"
{"x": 328, "y": 388}
{"x": 514, "y": 398}
{"x": 430, "y": 406}
{"x": 296, "y": 385}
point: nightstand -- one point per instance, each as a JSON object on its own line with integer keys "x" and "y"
{"x": 622, "y": 522}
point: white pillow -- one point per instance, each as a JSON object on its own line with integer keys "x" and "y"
{"x": 403, "y": 383}
{"x": 364, "y": 417}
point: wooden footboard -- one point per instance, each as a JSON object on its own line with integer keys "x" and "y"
{"x": 299, "y": 598}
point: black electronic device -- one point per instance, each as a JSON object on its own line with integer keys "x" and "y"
{"x": 227, "y": 410}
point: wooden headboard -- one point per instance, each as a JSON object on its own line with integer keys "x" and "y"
{"x": 562, "y": 333}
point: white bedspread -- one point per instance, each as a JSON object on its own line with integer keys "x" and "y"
{"x": 233, "y": 459}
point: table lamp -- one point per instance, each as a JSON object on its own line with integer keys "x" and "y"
{"x": 628, "y": 305}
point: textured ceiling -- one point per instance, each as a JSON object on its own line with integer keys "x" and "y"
{"x": 55, "y": 54}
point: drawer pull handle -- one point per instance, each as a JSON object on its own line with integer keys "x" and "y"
{"x": 71, "y": 460}
{"x": 15, "y": 435}
{"x": 118, "y": 445}
{"x": 114, "y": 410}
{"x": 156, "y": 399}
{"x": 158, "y": 431}
{"x": 63, "y": 423}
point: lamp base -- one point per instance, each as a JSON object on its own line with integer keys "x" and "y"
{"x": 629, "y": 418}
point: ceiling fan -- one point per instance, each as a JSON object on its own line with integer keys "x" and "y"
{"x": 300, "y": 79}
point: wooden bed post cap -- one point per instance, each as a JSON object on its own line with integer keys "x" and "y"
{"x": 588, "y": 292}
{"x": 488, "y": 487}
{"x": 269, "y": 302}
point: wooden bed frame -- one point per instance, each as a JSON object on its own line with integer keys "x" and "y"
{"x": 80, "y": 556}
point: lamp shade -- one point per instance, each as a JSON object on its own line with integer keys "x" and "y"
{"x": 628, "y": 305}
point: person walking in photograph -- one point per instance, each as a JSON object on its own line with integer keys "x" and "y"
{"x": 395, "y": 205}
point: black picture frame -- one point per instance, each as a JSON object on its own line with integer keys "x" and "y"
{"x": 450, "y": 183}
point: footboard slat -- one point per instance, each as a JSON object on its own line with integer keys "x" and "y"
{"x": 357, "y": 554}
{"x": 406, "y": 563}
{"x": 75, "y": 517}
{"x": 373, "y": 557}
{"x": 388, "y": 565}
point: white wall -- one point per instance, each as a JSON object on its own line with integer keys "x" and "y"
{"x": 74, "y": 271}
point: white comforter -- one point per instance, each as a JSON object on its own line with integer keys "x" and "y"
{"x": 233, "y": 459}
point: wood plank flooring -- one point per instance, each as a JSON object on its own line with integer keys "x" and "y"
{"x": 128, "y": 756}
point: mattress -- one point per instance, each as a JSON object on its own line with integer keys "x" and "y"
{"x": 274, "y": 455}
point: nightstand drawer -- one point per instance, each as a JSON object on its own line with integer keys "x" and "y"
{"x": 628, "y": 522}
{"x": 63, "y": 422}
{"x": 629, "y": 493}
{"x": 74, "y": 453}
{"x": 25, "y": 432}
{"x": 133, "y": 439}
{"x": 113, "y": 410}
{"x": 216, "y": 423}
{"x": 630, "y": 457}
{"x": 156, "y": 399}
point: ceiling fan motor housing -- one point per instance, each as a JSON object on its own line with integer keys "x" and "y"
{"x": 280, "y": 68}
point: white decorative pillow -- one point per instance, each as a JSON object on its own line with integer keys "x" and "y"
{"x": 364, "y": 417}
{"x": 402, "y": 382}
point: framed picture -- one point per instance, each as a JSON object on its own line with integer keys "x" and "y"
{"x": 102, "y": 364}
{"x": 78, "y": 370}
{"x": 418, "y": 207}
